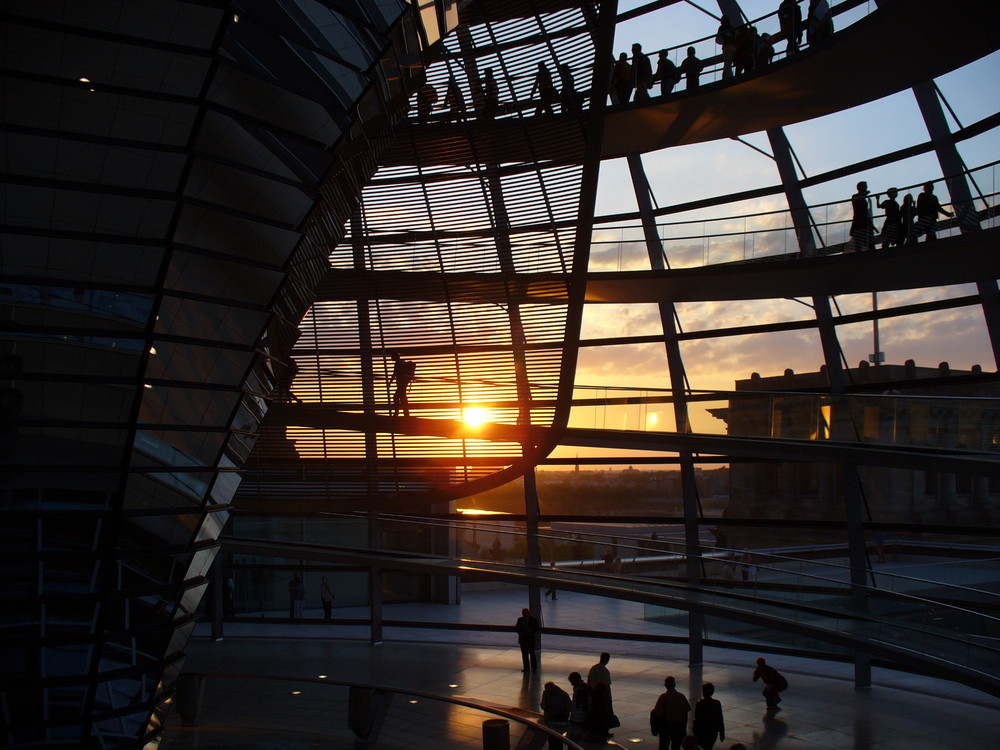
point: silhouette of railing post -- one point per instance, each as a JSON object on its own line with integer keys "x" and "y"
{"x": 366, "y": 712}
{"x": 496, "y": 734}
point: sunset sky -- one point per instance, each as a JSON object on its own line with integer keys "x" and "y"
{"x": 704, "y": 170}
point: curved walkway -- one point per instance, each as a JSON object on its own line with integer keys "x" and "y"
{"x": 950, "y": 260}
{"x": 875, "y": 57}
{"x": 965, "y": 659}
{"x": 880, "y": 55}
{"x": 936, "y": 458}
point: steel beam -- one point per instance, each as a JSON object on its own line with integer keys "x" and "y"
{"x": 678, "y": 377}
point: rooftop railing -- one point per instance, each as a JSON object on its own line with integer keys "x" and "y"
{"x": 771, "y": 234}
{"x": 308, "y": 709}
{"x": 933, "y": 620}
{"x": 516, "y": 76}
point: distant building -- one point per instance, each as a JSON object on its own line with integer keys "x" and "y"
{"x": 891, "y": 404}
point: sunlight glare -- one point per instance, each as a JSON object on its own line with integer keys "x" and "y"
{"x": 475, "y": 416}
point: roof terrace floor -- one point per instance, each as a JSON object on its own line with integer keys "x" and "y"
{"x": 821, "y": 709}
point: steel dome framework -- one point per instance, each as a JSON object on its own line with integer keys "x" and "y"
{"x": 219, "y": 223}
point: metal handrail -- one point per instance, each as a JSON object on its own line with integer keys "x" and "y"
{"x": 520, "y": 716}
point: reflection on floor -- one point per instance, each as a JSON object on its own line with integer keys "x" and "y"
{"x": 821, "y": 708}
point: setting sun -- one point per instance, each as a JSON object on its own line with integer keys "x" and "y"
{"x": 475, "y": 416}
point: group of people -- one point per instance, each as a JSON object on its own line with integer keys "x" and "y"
{"x": 485, "y": 98}
{"x": 485, "y": 95}
{"x": 588, "y": 710}
{"x": 669, "y": 718}
{"x": 903, "y": 224}
{"x": 636, "y": 74}
{"x": 548, "y": 94}
{"x": 297, "y": 596}
{"x": 818, "y": 24}
{"x": 743, "y": 50}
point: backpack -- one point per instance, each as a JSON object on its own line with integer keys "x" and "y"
{"x": 408, "y": 370}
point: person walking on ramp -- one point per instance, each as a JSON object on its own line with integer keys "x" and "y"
{"x": 402, "y": 376}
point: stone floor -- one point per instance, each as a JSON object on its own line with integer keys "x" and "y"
{"x": 821, "y": 708}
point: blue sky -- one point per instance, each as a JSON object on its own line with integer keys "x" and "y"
{"x": 702, "y": 170}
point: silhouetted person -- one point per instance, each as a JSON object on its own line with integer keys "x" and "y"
{"x": 326, "y": 596}
{"x": 765, "y": 51}
{"x": 746, "y": 49}
{"x": 708, "y": 725}
{"x": 666, "y": 73}
{"x": 609, "y": 560}
{"x": 427, "y": 96}
{"x": 861, "y": 223}
{"x": 691, "y": 69}
{"x": 892, "y": 228}
{"x": 643, "y": 72}
{"x": 568, "y": 100}
{"x": 476, "y": 94}
{"x": 928, "y": 209}
{"x": 296, "y": 596}
{"x": 583, "y": 700}
{"x": 491, "y": 95}
{"x": 725, "y": 37}
{"x": 556, "y": 705}
{"x": 774, "y": 683}
{"x": 790, "y": 18}
{"x": 547, "y": 92}
{"x": 622, "y": 79}
{"x": 819, "y": 26}
{"x": 907, "y": 215}
{"x": 669, "y": 716}
{"x": 602, "y": 717}
{"x": 527, "y": 628}
{"x": 599, "y": 672}
{"x": 402, "y": 375}
{"x": 551, "y": 591}
{"x": 229, "y": 596}
{"x": 454, "y": 101}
